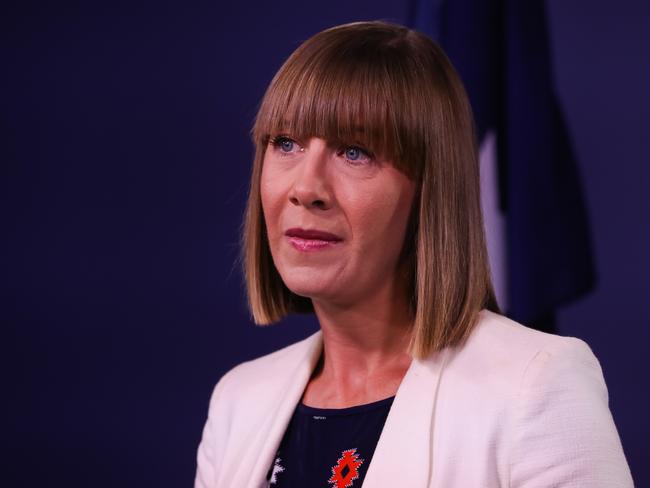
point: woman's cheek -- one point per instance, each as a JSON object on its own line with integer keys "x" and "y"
{"x": 367, "y": 224}
{"x": 271, "y": 191}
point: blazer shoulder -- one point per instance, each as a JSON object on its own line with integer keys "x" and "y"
{"x": 502, "y": 351}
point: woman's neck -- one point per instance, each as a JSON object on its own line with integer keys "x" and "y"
{"x": 364, "y": 355}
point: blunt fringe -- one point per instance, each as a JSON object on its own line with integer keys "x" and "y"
{"x": 395, "y": 91}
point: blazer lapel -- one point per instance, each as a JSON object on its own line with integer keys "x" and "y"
{"x": 403, "y": 456}
{"x": 276, "y": 411}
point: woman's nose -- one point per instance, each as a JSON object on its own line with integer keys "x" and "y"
{"x": 311, "y": 187}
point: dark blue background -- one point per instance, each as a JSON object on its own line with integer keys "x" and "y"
{"x": 125, "y": 162}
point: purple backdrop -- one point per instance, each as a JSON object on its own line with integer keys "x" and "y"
{"x": 125, "y": 161}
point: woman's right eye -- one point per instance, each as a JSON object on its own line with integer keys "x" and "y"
{"x": 284, "y": 144}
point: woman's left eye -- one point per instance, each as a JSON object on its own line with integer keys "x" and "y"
{"x": 356, "y": 155}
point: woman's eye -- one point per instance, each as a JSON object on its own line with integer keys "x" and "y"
{"x": 352, "y": 153}
{"x": 355, "y": 154}
{"x": 284, "y": 144}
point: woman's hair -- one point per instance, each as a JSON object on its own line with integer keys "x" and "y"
{"x": 395, "y": 91}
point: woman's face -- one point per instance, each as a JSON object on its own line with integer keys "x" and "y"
{"x": 336, "y": 218}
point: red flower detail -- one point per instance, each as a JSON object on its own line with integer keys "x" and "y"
{"x": 346, "y": 469}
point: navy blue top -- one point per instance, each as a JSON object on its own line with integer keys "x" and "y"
{"x": 328, "y": 447}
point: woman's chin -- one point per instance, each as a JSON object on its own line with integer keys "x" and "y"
{"x": 314, "y": 287}
{"x": 309, "y": 290}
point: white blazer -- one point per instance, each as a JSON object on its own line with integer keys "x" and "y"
{"x": 512, "y": 407}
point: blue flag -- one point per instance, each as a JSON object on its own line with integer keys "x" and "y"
{"x": 501, "y": 51}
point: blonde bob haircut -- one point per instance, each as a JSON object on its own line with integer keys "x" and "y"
{"x": 395, "y": 91}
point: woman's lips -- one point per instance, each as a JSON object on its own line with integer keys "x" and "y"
{"x": 307, "y": 245}
{"x": 311, "y": 239}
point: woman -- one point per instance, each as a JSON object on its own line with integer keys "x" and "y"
{"x": 364, "y": 209}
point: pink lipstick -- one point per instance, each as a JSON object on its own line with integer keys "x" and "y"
{"x": 307, "y": 240}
